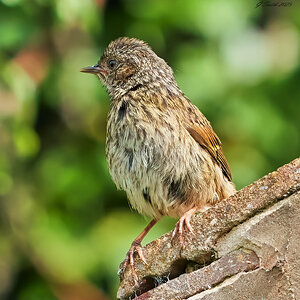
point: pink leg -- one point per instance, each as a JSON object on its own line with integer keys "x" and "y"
{"x": 136, "y": 246}
{"x": 184, "y": 221}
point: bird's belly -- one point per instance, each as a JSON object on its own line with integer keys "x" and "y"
{"x": 162, "y": 169}
{"x": 136, "y": 167}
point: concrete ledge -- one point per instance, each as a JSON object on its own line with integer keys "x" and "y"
{"x": 260, "y": 223}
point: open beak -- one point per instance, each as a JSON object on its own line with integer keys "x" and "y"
{"x": 94, "y": 70}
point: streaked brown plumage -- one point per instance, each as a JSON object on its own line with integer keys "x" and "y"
{"x": 160, "y": 148}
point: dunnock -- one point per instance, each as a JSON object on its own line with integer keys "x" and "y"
{"x": 160, "y": 148}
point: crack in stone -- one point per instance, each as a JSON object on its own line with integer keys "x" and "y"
{"x": 207, "y": 277}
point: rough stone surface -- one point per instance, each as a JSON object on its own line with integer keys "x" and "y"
{"x": 262, "y": 218}
{"x": 202, "y": 279}
{"x": 273, "y": 235}
{"x": 256, "y": 285}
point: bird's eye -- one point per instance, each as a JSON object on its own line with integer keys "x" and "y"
{"x": 112, "y": 63}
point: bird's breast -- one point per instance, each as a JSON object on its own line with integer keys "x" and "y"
{"x": 132, "y": 142}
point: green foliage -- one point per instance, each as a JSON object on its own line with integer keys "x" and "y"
{"x": 63, "y": 221}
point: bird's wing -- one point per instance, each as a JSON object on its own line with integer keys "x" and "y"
{"x": 204, "y": 135}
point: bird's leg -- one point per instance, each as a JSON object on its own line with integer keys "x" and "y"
{"x": 184, "y": 221}
{"x": 136, "y": 246}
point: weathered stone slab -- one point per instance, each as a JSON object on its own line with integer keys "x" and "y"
{"x": 252, "y": 206}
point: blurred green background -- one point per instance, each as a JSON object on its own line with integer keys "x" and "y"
{"x": 64, "y": 227}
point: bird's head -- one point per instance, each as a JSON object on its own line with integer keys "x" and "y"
{"x": 128, "y": 63}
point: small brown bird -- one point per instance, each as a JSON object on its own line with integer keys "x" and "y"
{"x": 160, "y": 148}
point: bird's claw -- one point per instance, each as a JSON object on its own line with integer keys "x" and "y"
{"x": 129, "y": 260}
{"x": 183, "y": 225}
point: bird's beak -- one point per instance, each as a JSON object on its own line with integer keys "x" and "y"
{"x": 94, "y": 70}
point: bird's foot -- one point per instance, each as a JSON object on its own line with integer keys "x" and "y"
{"x": 129, "y": 260}
{"x": 136, "y": 247}
{"x": 183, "y": 225}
